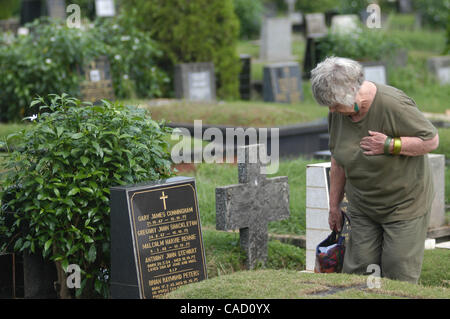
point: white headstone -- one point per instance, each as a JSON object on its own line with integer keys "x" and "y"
{"x": 375, "y": 72}
{"x": 315, "y": 25}
{"x": 105, "y": 8}
{"x": 276, "y": 40}
{"x": 317, "y": 209}
{"x": 199, "y": 86}
{"x": 437, "y": 164}
{"x": 195, "y": 81}
{"x": 440, "y": 67}
{"x": 346, "y": 23}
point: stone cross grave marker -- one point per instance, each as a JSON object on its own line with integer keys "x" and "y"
{"x": 156, "y": 238}
{"x": 105, "y": 8}
{"x": 250, "y": 205}
{"x": 440, "y": 67}
{"x": 282, "y": 82}
{"x": 97, "y": 83}
{"x": 195, "y": 81}
{"x": 276, "y": 40}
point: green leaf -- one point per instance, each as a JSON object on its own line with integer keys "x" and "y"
{"x": 87, "y": 190}
{"x": 48, "y": 243}
{"x": 84, "y": 160}
{"x": 73, "y": 191}
{"x": 40, "y": 180}
{"x": 76, "y": 136}
{"x": 56, "y": 191}
{"x": 92, "y": 254}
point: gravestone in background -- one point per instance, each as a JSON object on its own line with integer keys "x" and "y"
{"x": 56, "y": 9}
{"x": 315, "y": 26}
{"x": 245, "y": 87}
{"x": 375, "y": 72}
{"x": 105, "y": 8}
{"x": 97, "y": 83}
{"x": 345, "y": 23}
{"x": 439, "y": 66}
{"x": 315, "y": 29}
{"x": 9, "y": 25}
{"x": 195, "y": 81}
{"x": 282, "y": 82}
{"x": 404, "y": 6}
{"x": 30, "y": 10}
{"x": 250, "y": 205}
{"x": 276, "y": 39}
{"x": 156, "y": 238}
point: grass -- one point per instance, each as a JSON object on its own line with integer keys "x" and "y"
{"x": 239, "y": 113}
{"x": 290, "y": 284}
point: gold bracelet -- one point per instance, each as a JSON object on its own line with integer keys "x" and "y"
{"x": 397, "y": 146}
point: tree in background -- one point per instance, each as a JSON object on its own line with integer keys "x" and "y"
{"x": 192, "y": 31}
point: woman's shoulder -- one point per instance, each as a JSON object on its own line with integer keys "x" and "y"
{"x": 390, "y": 97}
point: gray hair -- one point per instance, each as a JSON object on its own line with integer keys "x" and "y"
{"x": 336, "y": 80}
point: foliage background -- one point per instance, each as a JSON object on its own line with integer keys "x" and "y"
{"x": 47, "y": 61}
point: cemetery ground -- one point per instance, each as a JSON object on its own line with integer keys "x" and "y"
{"x": 280, "y": 278}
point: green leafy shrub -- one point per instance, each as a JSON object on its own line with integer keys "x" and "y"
{"x": 193, "y": 31}
{"x": 60, "y": 175}
{"x": 435, "y": 13}
{"x": 47, "y": 61}
{"x": 8, "y": 8}
{"x": 41, "y": 64}
{"x": 250, "y": 15}
{"x": 133, "y": 55}
{"x": 365, "y": 45}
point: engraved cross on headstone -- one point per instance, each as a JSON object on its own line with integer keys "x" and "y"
{"x": 250, "y": 205}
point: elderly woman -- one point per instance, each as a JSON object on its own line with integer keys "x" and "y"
{"x": 378, "y": 142}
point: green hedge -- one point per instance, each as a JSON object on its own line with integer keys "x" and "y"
{"x": 193, "y": 31}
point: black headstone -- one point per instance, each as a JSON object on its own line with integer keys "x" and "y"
{"x": 30, "y": 10}
{"x": 11, "y": 276}
{"x": 156, "y": 238}
{"x": 39, "y": 276}
{"x": 282, "y": 82}
{"x": 245, "y": 77}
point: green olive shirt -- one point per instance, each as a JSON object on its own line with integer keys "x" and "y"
{"x": 385, "y": 187}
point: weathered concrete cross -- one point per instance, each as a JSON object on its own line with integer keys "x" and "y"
{"x": 252, "y": 204}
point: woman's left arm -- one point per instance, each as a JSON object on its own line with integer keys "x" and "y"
{"x": 415, "y": 146}
{"x": 411, "y": 146}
